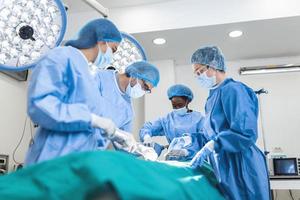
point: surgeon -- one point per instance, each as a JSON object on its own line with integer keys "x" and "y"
{"x": 179, "y": 122}
{"x": 231, "y": 130}
{"x": 63, "y": 97}
{"x": 118, "y": 90}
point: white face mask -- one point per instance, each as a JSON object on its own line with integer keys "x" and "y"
{"x": 136, "y": 91}
{"x": 205, "y": 81}
{"x": 104, "y": 59}
{"x": 180, "y": 111}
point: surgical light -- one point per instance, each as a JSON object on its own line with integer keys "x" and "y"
{"x": 28, "y": 30}
{"x": 129, "y": 51}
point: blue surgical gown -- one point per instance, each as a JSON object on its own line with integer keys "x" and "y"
{"x": 62, "y": 94}
{"x": 115, "y": 104}
{"x": 174, "y": 125}
{"x": 231, "y": 120}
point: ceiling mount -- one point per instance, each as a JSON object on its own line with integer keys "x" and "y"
{"x": 98, "y": 7}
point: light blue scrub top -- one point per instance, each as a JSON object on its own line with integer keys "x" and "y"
{"x": 115, "y": 104}
{"x": 62, "y": 94}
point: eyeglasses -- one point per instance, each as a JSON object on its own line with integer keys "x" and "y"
{"x": 114, "y": 49}
{"x": 201, "y": 70}
{"x": 145, "y": 87}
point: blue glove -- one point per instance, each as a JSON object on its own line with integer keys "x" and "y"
{"x": 201, "y": 156}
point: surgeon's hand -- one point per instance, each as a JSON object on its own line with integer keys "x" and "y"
{"x": 105, "y": 123}
{"x": 123, "y": 140}
{"x": 200, "y": 157}
{"x": 148, "y": 141}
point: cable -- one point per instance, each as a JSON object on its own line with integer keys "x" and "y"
{"x": 31, "y": 130}
{"x": 262, "y": 126}
{"x": 31, "y": 134}
{"x": 14, "y": 152}
{"x": 291, "y": 194}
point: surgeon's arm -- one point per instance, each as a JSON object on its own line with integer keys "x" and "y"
{"x": 241, "y": 113}
{"x": 152, "y": 129}
{"x": 47, "y": 99}
{"x": 127, "y": 127}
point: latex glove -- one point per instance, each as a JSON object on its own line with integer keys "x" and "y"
{"x": 178, "y": 148}
{"x": 148, "y": 141}
{"x": 105, "y": 123}
{"x": 124, "y": 141}
{"x": 177, "y": 154}
{"x": 200, "y": 157}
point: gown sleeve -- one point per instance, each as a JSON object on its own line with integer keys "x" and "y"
{"x": 48, "y": 99}
{"x": 240, "y": 109}
{"x": 154, "y": 128}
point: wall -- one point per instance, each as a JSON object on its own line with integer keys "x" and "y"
{"x": 12, "y": 118}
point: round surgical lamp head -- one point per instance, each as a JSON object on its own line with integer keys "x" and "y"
{"x": 129, "y": 51}
{"x": 28, "y": 30}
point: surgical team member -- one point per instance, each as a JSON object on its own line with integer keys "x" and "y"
{"x": 178, "y": 122}
{"x": 231, "y": 128}
{"x": 118, "y": 89}
{"x": 63, "y": 98}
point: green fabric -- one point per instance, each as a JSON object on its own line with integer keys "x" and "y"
{"x": 80, "y": 175}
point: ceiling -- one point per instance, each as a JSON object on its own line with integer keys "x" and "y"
{"x": 262, "y": 39}
{"x": 278, "y": 37}
{"x": 81, "y": 6}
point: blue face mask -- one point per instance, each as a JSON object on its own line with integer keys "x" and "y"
{"x": 205, "y": 81}
{"x": 180, "y": 111}
{"x": 104, "y": 59}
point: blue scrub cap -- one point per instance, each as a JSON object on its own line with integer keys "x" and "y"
{"x": 144, "y": 71}
{"x": 95, "y": 31}
{"x": 179, "y": 90}
{"x": 211, "y": 56}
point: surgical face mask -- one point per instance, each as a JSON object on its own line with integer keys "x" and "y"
{"x": 104, "y": 59}
{"x": 205, "y": 81}
{"x": 180, "y": 111}
{"x": 136, "y": 91}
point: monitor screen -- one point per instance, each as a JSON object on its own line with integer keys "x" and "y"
{"x": 285, "y": 166}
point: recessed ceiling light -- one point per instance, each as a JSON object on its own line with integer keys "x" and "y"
{"x": 159, "y": 41}
{"x": 236, "y": 33}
